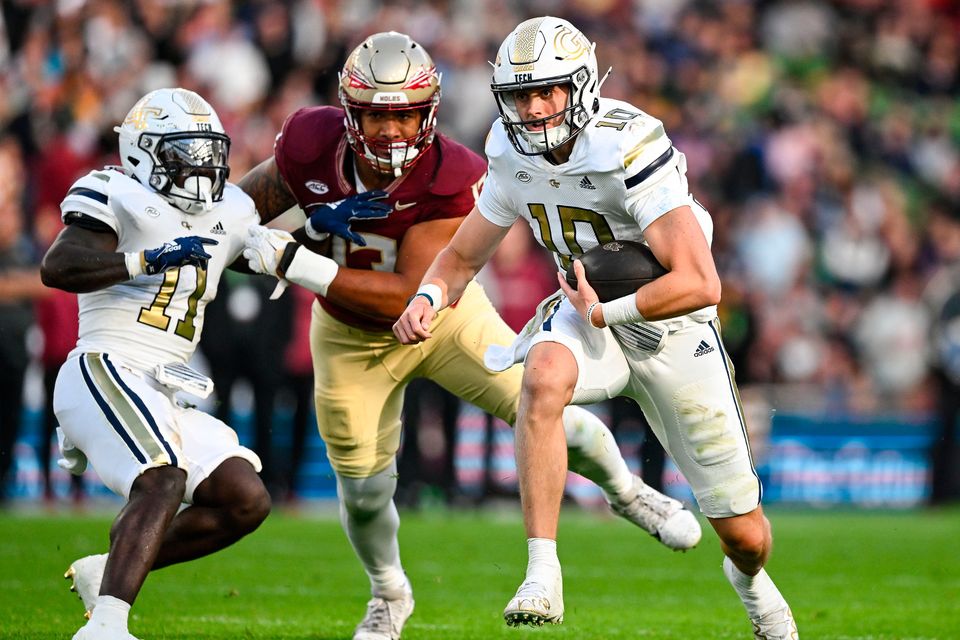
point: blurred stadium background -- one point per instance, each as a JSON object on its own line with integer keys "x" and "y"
{"x": 823, "y": 136}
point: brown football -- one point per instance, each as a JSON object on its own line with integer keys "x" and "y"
{"x": 617, "y": 268}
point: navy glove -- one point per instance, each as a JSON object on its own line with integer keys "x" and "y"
{"x": 176, "y": 253}
{"x": 335, "y": 217}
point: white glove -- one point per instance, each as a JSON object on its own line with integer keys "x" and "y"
{"x": 264, "y": 247}
{"x": 264, "y": 250}
{"x": 73, "y": 460}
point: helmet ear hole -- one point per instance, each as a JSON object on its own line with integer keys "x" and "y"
{"x": 134, "y": 161}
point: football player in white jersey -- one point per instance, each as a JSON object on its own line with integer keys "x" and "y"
{"x": 144, "y": 246}
{"x": 584, "y": 170}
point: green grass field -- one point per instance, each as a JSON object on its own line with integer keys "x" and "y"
{"x": 846, "y": 574}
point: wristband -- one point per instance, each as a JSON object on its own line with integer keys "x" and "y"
{"x": 286, "y": 258}
{"x": 134, "y": 262}
{"x": 590, "y": 314}
{"x": 621, "y": 311}
{"x": 311, "y": 270}
{"x": 432, "y": 293}
{"x": 313, "y": 234}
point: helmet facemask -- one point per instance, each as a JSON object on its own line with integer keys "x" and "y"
{"x": 542, "y": 135}
{"x": 190, "y": 168}
{"x": 390, "y": 156}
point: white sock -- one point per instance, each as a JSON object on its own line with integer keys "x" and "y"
{"x": 758, "y": 593}
{"x": 593, "y": 452}
{"x": 372, "y": 530}
{"x": 543, "y": 565}
{"x": 110, "y": 612}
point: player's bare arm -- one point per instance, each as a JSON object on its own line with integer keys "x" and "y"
{"x": 267, "y": 188}
{"x": 451, "y": 271}
{"x": 471, "y": 247}
{"x": 382, "y": 295}
{"x": 691, "y": 281}
{"x": 81, "y": 260}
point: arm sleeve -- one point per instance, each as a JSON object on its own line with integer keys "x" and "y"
{"x": 84, "y": 221}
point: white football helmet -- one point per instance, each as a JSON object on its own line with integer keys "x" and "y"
{"x": 390, "y": 71}
{"x": 543, "y": 52}
{"x": 173, "y": 142}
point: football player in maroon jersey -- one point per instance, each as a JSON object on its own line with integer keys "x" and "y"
{"x": 384, "y": 138}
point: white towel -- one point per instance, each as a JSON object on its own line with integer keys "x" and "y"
{"x": 500, "y": 358}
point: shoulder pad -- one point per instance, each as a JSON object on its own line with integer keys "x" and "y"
{"x": 459, "y": 169}
{"x": 240, "y": 203}
{"x": 497, "y": 142}
{"x": 90, "y": 195}
{"x": 309, "y": 133}
{"x": 644, "y": 141}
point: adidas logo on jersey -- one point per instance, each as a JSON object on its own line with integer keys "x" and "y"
{"x": 586, "y": 184}
{"x": 702, "y": 349}
{"x": 218, "y": 229}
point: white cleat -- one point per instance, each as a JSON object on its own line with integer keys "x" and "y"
{"x": 536, "y": 604}
{"x": 776, "y": 625}
{"x": 661, "y": 516}
{"x": 85, "y": 575}
{"x": 92, "y": 631}
{"x": 384, "y": 619}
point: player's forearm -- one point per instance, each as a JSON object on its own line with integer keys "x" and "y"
{"x": 452, "y": 273}
{"x": 79, "y": 269}
{"x": 377, "y": 295}
{"x": 677, "y": 294}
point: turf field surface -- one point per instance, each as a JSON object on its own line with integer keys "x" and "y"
{"x": 847, "y": 575}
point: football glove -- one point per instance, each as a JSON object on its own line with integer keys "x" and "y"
{"x": 276, "y": 253}
{"x": 264, "y": 247}
{"x": 335, "y": 217}
{"x": 176, "y": 253}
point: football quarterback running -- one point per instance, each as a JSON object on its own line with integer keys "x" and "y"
{"x": 583, "y": 170}
{"x": 384, "y": 137}
{"x": 145, "y": 245}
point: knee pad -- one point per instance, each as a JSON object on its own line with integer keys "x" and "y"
{"x": 365, "y": 497}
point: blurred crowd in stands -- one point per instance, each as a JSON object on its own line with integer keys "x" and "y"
{"x": 822, "y": 135}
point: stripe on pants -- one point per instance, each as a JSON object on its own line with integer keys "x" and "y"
{"x": 728, "y": 364}
{"x": 125, "y": 412}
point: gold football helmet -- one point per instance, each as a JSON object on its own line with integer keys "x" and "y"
{"x": 392, "y": 72}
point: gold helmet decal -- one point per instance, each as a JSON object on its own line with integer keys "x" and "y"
{"x": 570, "y": 43}
{"x": 525, "y": 52}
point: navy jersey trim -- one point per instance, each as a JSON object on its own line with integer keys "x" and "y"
{"x": 88, "y": 193}
{"x": 637, "y": 178}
